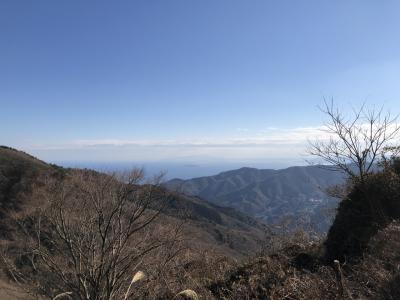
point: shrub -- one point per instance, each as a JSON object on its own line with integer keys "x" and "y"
{"x": 369, "y": 206}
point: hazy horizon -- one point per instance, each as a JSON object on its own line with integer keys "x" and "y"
{"x": 189, "y": 83}
{"x": 179, "y": 170}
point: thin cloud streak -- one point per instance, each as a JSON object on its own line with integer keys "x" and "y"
{"x": 269, "y": 144}
{"x": 267, "y": 137}
{"x": 266, "y": 145}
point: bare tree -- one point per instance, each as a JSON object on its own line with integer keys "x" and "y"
{"x": 354, "y": 143}
{"x": 94, "y": 232}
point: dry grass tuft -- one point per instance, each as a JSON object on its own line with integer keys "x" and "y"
{"x": 138, "y": 276}
{"x": 188, "y": 294}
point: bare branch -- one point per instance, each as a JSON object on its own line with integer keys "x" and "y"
{"x": 354, "y": 144}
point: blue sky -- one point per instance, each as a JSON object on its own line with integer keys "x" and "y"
{"x": 188, "y": 81}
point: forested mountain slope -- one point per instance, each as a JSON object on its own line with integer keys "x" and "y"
{"x": 297, "y": 193}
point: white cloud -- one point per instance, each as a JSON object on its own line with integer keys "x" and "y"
{"x": 268, "y": 144}
{"x": 265, "y": 137}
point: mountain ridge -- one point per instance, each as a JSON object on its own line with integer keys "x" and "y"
{"x": 268, "y": 194}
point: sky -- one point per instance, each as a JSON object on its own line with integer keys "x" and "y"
{"x": 189, "y": 82}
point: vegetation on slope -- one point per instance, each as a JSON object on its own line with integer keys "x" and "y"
{"x": 297, "y": 272}
{"x": 275, "y": 196}
{"x": 55, "y": 224}
{"x": 370, "y": 205}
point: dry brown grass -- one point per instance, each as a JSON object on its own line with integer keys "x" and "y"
{"x": 280, "y": 276}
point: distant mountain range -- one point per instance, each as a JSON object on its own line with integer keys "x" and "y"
{"x": 294, "y": 195}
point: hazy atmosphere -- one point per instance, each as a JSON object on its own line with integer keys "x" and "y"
{"x": 188, "y": 83}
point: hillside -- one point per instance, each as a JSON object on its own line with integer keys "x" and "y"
{"x": 296, "y": 272}
{"x": 19, "y": 171}
{"x": 207, "y": 231}
{"x": 296, "y": 193}
{"x": 225, "y": 229}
